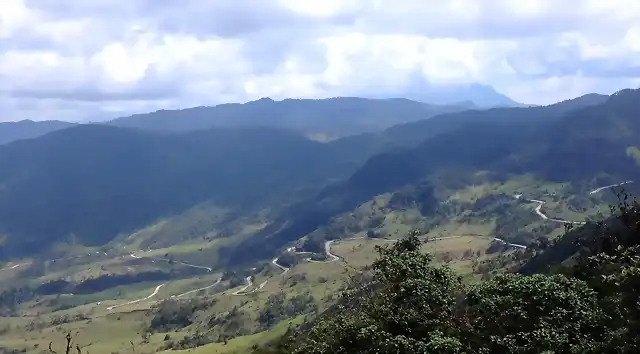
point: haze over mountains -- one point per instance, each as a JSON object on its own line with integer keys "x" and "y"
{"x": 332, "y": 117}
{"x": 98, "y": 181}
{"x": 478, "y": 95}
{"x": 318, "y": 118}
{"x": 27, "y": 129}
{"x": 565, "y": 142}
{"x": 194, "y": 204}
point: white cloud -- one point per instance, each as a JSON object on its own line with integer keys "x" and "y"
{"x": 74, "y": 59}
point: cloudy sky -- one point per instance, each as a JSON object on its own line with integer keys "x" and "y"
{"x": 92, "y": 59}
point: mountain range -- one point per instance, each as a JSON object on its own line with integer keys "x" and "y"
{"x": 571, "y": 141}
{"x": 92, "y": 183}
{"x": 28, "y": 129}
{"x": 320, "y": 119}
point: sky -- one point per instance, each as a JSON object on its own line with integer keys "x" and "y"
{"x": 87, "y": 60}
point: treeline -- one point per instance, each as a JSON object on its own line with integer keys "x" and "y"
{"x": 409, "y": 305}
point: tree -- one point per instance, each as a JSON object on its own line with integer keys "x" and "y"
{"x": 69, "y": 345}
{"x": 313, "y": 244}
{"x": 532, "y": 314}
{"x": 609, "y": 262}
{"x": 408, "y": 311}
{"x": 287, "y": 260}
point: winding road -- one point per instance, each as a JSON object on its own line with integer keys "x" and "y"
{"x": 242, "y": 291}
{"x": 196, "y": 290}
{"x": 609, "y": 186}
{"x": 133, "y": 255}
{"x": 327, "y": 251}
{"x": 540, "y": 203}
{"x": 155, "y": 292}
{"x": 334, "y": 258}
{"x": 275, "y": 263}
{"x": 538, "y": 211}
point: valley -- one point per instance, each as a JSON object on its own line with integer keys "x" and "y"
{"x": 320, "y": 279}
{"x": 223, "y": 239}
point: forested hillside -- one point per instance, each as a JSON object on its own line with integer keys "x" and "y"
{"x": 92, "y": 182}
{"x": 95, "y": 182}
{"x": 567, "y": 145}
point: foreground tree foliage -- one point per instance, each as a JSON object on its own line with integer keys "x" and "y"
{"x": 409, "y": 305}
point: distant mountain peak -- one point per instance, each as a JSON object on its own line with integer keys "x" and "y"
{"x": 420, "y": 89}
{"x": 264, "y": 99}
{"x": 28, "y": 129}
{"x": 587, "y": 100}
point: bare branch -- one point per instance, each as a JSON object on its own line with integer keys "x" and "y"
{"x": 51, "y": 349}
{"x": 69, "y": 343}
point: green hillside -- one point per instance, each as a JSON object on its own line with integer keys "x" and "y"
{"x": 103, "y": 181}
{"x": 250, "y": 238}
{"x": 586, "y": 147}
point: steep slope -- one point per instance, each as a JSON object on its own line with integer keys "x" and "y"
{"x": 334, "y": 117}
{"x": 27, "y": 129}
{"x": 409, "y": 135}
{"x": 414, "y": 133}
{"x": 550, "y": 141}
{"x": 94, "y": 182}
{"x": 562, "y": 146}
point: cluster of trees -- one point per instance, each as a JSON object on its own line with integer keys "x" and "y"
{"x": 172, "y": 315}
{"x": 409, "y": 305}
{"x": 420, "y": 196}
{"x": 231, "y": 324}
{"x": 278, "y": 307}
{"x": 509, "y": 225}
{"x": 11, "y": 298}
{"x": 189, "y": 341}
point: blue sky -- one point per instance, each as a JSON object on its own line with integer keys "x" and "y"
{"x": 91, "y": 59}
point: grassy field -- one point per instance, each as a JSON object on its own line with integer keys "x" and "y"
{"x": 103, "y": 331}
